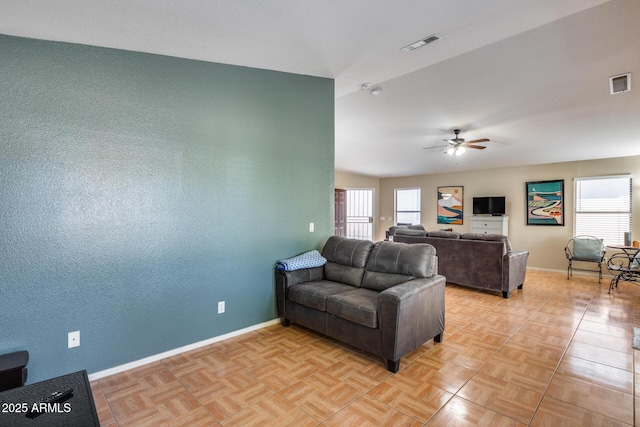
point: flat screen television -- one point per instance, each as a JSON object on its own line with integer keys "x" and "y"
{"x": 489, "y": 206}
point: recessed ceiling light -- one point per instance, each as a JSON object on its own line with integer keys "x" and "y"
{"x": 365, "y": 86}
{"x": 376, "y": 91}
{"x": 420, "y": 43}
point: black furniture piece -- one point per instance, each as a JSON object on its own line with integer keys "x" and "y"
{"x": 63, "y": 401}
{"x": 13, "y": 369}
{"x": 624, "y": 265}
{"x": 585, "y": 249}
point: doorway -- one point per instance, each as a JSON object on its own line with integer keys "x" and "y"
{"x": 360, "y": 213}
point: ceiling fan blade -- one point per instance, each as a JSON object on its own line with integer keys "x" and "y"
{"x": 477, "y": 147}
{"x": 435, "y": 146}
{"x": 478, "y": 140}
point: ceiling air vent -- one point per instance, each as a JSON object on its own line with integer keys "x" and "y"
{"x": 619, "y": 84}
{"x": 420, "y": 43}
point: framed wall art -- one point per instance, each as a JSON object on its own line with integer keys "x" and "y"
{"x": 450, "y": 205}
{"x": 545, "y": 202}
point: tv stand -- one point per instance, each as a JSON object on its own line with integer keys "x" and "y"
{"x": 490, "y": 225}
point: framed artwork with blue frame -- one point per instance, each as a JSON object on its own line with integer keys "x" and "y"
{"x": 545, "y": 202}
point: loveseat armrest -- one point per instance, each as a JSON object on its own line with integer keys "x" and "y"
{"x": 515, "y": 267}
{"x": 284, "y": 279}
{"x": 409, "y": 314}
{"x": 409, "y": 289}
{"x": 302, "y": 275}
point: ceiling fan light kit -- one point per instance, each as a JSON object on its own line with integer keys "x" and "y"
{"x": 455, "y": 150}
{"x": 458, "y": 145}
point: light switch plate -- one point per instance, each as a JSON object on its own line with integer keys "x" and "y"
{"x": 73, "y": 339}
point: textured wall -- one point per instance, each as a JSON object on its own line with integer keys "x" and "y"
{"x": 138, "y": 190}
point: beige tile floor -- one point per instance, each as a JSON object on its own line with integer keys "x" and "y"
{"x": 557, "y": 353}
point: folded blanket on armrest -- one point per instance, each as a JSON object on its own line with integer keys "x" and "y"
{"x": 306, "y": 260}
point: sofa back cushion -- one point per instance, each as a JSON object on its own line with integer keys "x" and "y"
{"x": 409, "y": 232}
{"x": 393, "y": 263}
{"x": 444, "y": 234}
{"x": 346, "y": 259}
{"x": 394, "y": 228}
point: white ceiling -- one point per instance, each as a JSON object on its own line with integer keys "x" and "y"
{"x": 530, "y": 75}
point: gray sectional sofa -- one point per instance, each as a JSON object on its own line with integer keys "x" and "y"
{"x": 483, "y": 261}
{"x": 384, "y": 298}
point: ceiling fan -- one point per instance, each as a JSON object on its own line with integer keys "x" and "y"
{"x": 458, "y": 145}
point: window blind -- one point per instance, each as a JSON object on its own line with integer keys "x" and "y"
{"x": 602, "y": 207}
{"x": 407, "y": 203}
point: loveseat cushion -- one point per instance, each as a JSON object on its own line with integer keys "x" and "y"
{"x": 315, "y": 294}
{"x": 357, "y": 305}
{"x": 346, "y": 259}
{"x": 344, "y": 274}
{"x": 489, "y": 237}
{"x": 349, "y": 252}
{"x": 392, "y": 263}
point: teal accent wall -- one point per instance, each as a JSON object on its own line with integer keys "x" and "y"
{"x": 138, "y": 190}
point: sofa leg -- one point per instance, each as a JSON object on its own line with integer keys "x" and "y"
{"x": 285, "y": 322}
{"x": 438, "y": 338}
{"x": 505, "y": 294}
{"x": 520, "y": 287}
{"x": 393, "y": 365}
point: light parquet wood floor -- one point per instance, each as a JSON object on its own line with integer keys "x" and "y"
{"x": 557, "y": 353}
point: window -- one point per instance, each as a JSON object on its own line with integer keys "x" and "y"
{"x": 407, "y": 206}
{"x": 602, "y": 207}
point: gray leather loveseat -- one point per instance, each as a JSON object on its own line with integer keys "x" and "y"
{"x": 384, "y": 298}
{"x": 483, "y": 261}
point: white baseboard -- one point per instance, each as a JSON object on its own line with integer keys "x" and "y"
{"x": 156, "y": 357}
{"x": 575, "y": 271}
{"x": 551, "y": 270}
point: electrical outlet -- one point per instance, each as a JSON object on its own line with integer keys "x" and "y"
{"x": 73, "y": 339}
{"x": 220, "y": 307}
{"x": 312, "y": 227}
